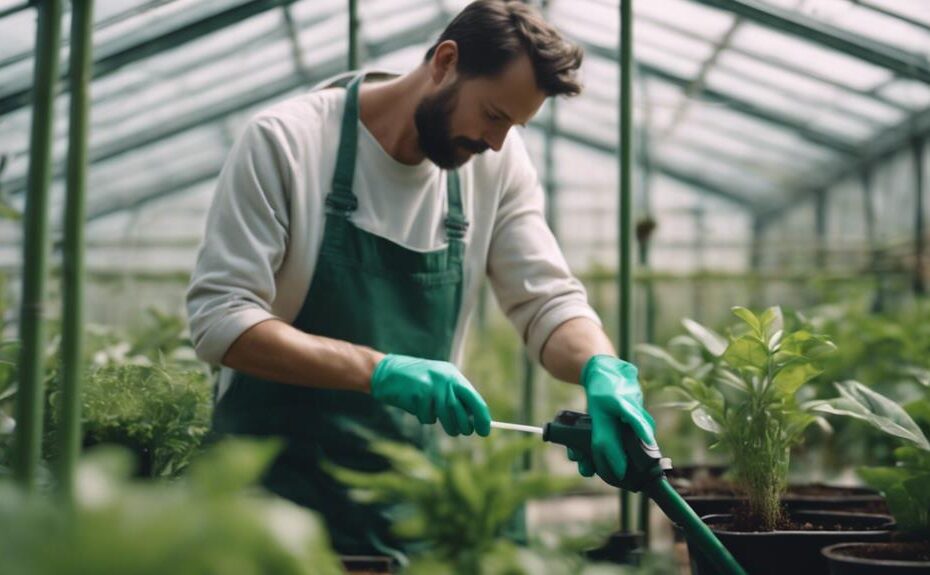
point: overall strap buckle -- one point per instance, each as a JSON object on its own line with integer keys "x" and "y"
{"x": 341, "y": 204}
{"x": 456, "y": 226}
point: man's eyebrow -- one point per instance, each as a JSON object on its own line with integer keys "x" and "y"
{"x": 500, "y": 112}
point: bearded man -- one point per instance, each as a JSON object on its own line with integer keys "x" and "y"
{"x": 350, "y": 234}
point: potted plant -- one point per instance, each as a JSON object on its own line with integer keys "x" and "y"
{"x": 699, "y": 355}
{"x": 747, "y": 397}
{"x": 907, "y": 488}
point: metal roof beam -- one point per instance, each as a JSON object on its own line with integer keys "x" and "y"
{"x": 882, "y": 146}
{"x": 217, "y": 112}
{"x": 189, "y": 32}
{"x": 818, "y": 137}
{"x": 892, "y": 14}
{"x": 658, "y": 165}
{"x": 905, "y": 64}
{"x": 782, "y": 64}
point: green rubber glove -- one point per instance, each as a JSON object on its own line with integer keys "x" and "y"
{"x": 612, "y": 388}
{"x": 431, "y": 390}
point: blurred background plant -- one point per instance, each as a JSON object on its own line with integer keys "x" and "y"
{"x": 213, "y": 521}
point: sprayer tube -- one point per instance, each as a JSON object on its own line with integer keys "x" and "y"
{"x": 695, "y": 530}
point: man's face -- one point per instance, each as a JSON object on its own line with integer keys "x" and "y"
{"x": 466, "y": 116}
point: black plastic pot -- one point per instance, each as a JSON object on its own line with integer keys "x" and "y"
{"x": 791, "y": 552}
{"x": 620, "y": 548}
{"x": 851, "y": 499}
{"x": 843, "y": 563}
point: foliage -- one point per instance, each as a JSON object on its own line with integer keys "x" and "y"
{"x": 162, "y": 412}
{"x": 744, "y": 388}
{"x": 460, "y": 508}
{"x": 210, "y": 522}
{"x": 906, "y": 486}
{"x": 888, "y": 351}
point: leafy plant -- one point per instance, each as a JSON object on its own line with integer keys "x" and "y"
{"x": 906, "y": 486}
{"x": 744, "y": 389}
{"x": 460, "y": 507}
{"x": 209, "y": 522}
{"x": 162, "y": 412}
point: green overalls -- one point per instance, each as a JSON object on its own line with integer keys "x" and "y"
{"x": 369, "y": 291}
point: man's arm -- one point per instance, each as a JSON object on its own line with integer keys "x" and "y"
{"x": 570, "y": 347}
{"x": 276, "y": 351}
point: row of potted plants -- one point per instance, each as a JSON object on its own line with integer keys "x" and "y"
{"x": 750, "y": 390}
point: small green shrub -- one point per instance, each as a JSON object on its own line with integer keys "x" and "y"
{"x": 162, "y": 412}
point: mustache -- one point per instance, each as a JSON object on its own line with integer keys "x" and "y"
{"x": 473, "y": 146}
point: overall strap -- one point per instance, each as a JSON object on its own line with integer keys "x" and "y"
{"x": 456, "y": 224}
{"x": 341, "y": 200}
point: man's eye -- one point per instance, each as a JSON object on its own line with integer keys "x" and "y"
{"x": 492, "y": 117}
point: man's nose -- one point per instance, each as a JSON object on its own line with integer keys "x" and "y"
{"x": 494, "y": 138}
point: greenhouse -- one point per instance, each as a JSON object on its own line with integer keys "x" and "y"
{"x": 440, "y": 287}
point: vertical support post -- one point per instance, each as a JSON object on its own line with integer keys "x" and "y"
{"x": 917, "y": 148}
{"x": 868, "y": 211}
{"x": 820, "y": 224}
{"x": 353, "y": 35}
{"x": 29, "y": 402}
{"x": 82, "y": 26}
{"x": 871, "y": 235}
{"x": 756, "y": 296}
{"x": 625, "y": 215}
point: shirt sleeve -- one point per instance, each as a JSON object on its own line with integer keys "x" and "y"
{"x": 233, "y": 283}
{"x": 528, "y": 273}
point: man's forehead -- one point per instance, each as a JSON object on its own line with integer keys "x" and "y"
{"x": 513, "y": 91}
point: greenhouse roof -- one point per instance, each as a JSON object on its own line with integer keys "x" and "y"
{"x": 753, "y": 101}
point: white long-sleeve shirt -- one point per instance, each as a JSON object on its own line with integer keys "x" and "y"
{"x": 265, "y": 227}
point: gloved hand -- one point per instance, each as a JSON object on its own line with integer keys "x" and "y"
{"x": 614, "y": 396}
{"x": 429, "y": 390}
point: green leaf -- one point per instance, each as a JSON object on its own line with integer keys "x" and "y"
{"x": 233, "y": 464}
{"x": 751, "y": 320}
{"x": 712, "y": 341}
{"x": 919, "y": 410}
{"x": 730, "y": 379}
{"x": 791, "y": 377}
{"x": 860, "y": 402}
{"x": 913, "y": 457}
{"x": 703, "y": 420}
{"x": 664, "y": 357}
{"x": 921, "y": 374}
{"x": 883, "y": 478}
{"x": 918, "y": 488}
{"x": 746, "y": 352}
{"x": 773, "y": 321}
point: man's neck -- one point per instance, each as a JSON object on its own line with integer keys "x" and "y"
{"x": 387, "y": 109}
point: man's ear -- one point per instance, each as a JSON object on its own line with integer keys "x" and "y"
{"x": 443, "y": 64}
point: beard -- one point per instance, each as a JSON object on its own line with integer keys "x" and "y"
{"x": 433, "y": 122}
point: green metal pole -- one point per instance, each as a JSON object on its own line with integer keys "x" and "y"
{"x": 917, "y": 148}
{"x": 625, "y": 215}
{"x": 69, "y": 446}
{"x": 29, "y": 401}
{"x": 353, "y": 35}
{"x": 820, "y": 223}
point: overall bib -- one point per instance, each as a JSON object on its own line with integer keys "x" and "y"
{"x": 369, "y": 291}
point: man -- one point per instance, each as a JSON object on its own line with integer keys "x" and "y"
{"x": 345, "y": 248}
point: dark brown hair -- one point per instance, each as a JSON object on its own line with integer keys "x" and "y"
{"x": 492, "y": 33}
